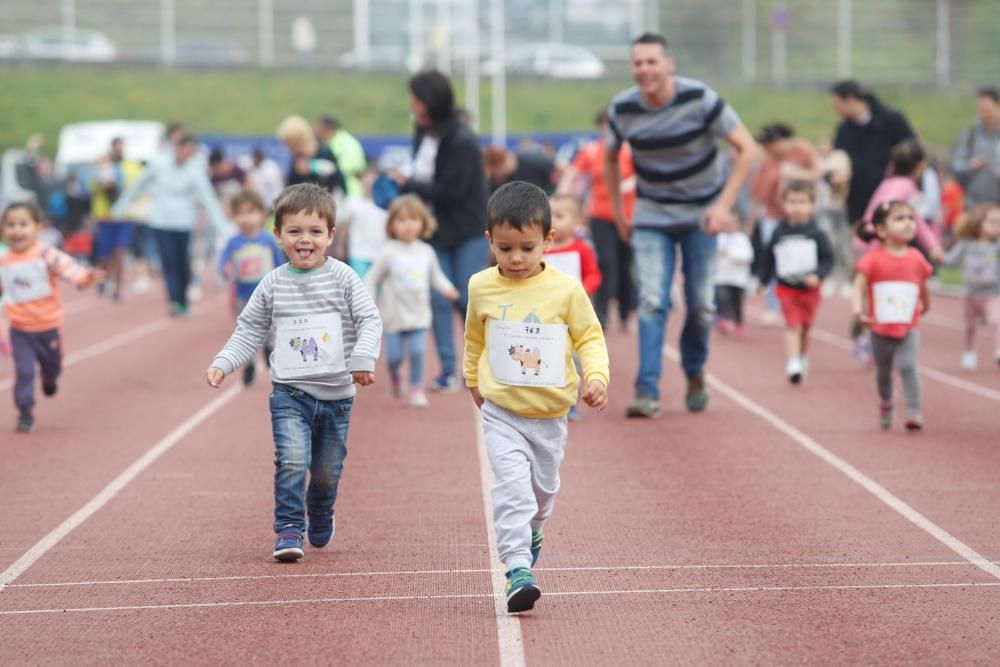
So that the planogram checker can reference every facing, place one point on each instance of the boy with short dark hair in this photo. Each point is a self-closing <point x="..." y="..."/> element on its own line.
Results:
<point x="523" y="323"/>
<point x="800" y="256"/>
<point x="328" y="335"/>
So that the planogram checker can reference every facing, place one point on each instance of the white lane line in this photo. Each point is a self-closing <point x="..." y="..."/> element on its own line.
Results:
<point x="852" y="473"/>
<point x="931" y="373"/>
<point x="410" y="573"/>
<point x="510" y="643"/>
<point x="479" y="596"/>
<point x="114" y="487"/>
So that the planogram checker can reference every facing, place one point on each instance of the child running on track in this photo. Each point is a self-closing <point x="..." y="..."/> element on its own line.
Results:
<point x="800" y="256"/>
<point x="733" y="262"/>
<point x="523" y="322"/>
<point x="890" y="294"/>
<point x="248" y="257"/>
<point x="402" y="277"/>
<point x="28" y="284"/>
<point x="978" y="249"/>
<point x="328" y="334"/>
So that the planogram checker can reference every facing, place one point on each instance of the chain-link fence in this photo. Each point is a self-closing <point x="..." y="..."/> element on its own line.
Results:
<point x="939" y="43"/>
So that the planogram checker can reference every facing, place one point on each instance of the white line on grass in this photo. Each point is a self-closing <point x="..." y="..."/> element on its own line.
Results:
<point x="509" y="640"/>
<point x="410" y="573"/>
<point x="114" y="487"/>
<point x="852" y="473"/>
<point x="479" y="596"/>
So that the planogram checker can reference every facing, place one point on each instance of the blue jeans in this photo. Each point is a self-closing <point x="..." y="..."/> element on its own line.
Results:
<point x="459" y="264"/>
<point x="655" y="261"/>
<point x="412" y="343"/>
<point x="175" y="256"/>
<point x="309" y="435"/>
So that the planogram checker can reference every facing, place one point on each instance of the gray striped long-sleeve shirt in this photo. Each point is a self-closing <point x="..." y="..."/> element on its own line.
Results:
<point x="283" y="293"/>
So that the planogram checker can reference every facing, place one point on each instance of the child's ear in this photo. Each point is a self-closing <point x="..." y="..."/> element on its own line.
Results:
<point x="549" y="239"/>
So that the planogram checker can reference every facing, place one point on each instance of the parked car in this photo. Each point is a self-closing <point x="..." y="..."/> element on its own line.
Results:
<point x="54" y="43"/>
<point x="561" y="61"/>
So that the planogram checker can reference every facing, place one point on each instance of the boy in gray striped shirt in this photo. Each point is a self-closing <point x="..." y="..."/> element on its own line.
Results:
<point x="328" y="337"/>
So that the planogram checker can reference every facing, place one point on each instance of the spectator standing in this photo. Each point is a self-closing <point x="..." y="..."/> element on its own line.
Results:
<point x="975" y="160"/>
<point x="346" y="149"/>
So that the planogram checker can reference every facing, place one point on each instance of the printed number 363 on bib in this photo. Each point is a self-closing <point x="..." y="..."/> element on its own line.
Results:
<point x="527" y="354"/>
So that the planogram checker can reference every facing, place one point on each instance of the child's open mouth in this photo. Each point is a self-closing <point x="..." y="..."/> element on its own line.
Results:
<point x="305" y="253"/>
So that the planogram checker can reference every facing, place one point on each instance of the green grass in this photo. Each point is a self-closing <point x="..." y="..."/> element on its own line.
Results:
<point x="254" y="102"/>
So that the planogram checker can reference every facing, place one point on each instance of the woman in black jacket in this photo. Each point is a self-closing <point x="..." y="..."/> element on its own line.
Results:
<point x="448" y="175"/>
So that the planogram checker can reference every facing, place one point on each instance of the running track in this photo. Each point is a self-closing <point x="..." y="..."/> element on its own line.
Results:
<point x="779" y="527"/>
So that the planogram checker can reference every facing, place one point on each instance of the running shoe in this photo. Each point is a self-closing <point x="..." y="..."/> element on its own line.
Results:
<point x="25" y="422"/>
<point x="969" y="360"/>
<point x="445" y="384"/>
<point x="536" y="546"/>
<point x="418" y="399"/>
<point x="914" y="421"/>
<point x="794" y="370"/>
<point x="321" y="530"/>
<point x="49" y="387"/>
<point x="522" y="590"/>
<point x="643" y="406"/>
<point x="696" y="398"/>
<point x="885" y="415"/>
<point x="288" y="547"/>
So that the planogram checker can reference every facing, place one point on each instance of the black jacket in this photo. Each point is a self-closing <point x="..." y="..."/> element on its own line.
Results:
<point x="868" y="147"/>
<point x="787" y="233"/>
<point x="458" y="193"/>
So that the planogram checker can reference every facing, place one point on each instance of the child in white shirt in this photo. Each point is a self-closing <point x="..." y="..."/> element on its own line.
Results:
<point x="733" y="260"/>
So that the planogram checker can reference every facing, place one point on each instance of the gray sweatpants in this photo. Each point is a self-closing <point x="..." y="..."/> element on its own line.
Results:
<point x="902" y="352"/>
<point x="525" y="455"/>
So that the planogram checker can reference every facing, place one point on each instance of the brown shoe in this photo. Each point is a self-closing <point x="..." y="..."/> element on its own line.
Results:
<point x="697" y="394"/>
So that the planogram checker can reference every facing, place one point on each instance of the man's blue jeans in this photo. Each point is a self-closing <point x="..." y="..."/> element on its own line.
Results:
<point x="459" y="264"/>
<point x="309" y="435"/>
<point x="655" y="261"/>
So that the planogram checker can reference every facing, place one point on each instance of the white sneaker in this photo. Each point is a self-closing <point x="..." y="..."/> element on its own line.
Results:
<point x="846" y="291"/>
<point x="195" y="293"/>
<point x="141" y="286"/>
<point x="804" y="360"/>
<point x="770" y="318"/>
<point x="418" y="399"/>
<point x="969" y="360"/>
<point x="828" y="289"/>
<point x="794" y="370"/>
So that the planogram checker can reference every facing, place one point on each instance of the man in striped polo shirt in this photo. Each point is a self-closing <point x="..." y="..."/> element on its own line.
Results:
<point x="685" y="195"/>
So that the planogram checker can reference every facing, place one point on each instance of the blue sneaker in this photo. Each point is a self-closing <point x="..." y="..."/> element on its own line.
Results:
<point x="522" y="590"/>
<point x="288" y="547"/>
<point x="536" y="546"/>
<point x="321" y="529"/>
<point x="444" y="384"/>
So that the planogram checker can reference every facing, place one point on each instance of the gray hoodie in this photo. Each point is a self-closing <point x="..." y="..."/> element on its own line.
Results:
<point x="981" y="185"/>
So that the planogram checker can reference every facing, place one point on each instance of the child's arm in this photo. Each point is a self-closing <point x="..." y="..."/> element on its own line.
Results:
<point x="439" y="281"/>
<point x="925" y="298"/>
<point x="69" y="269"/>
<point x="765" y="268"/>
<point x="590" y="272"/>
<point x="955" y="253"/>
<point x="210" y="202"/>
<point x="475" y="341"/>
<point x="858" y="298"/>
<point x="226" y="257"/>
<point x="588" y="339"/>
<point x="368" y="325"/>
<point x="252" y="327"/>
<point x="824" y="252"/>
<point x="279" y="253"/>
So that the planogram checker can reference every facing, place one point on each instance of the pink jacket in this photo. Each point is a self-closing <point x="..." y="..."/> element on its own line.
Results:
<point x="905" y="189"/>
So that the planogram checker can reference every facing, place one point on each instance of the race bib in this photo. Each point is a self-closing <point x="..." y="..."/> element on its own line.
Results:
<point x="527" y="354"/>
<point x="253" y="261"/>
<point x="411" y="273"/>
<point x="895" y="301"/>
<point x="567" y="262"/>
<point x="796" y="257"/>
<point x="309" y="346"/>
<point x="26" y="281"/>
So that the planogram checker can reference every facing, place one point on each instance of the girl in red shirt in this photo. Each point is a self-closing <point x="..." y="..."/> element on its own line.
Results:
<point x="890" y="294"/>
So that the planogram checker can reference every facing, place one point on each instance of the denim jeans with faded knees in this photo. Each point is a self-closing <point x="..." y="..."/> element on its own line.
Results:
<point x="458" y="264"/>
<point x="410" y="344"/>
<point x="655" y="261"/>
<point x="310" y="435"/>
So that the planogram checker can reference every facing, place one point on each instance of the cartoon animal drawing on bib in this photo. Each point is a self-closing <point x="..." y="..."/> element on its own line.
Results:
<point x="305" y="347"/>
<point x="529" y="359"/>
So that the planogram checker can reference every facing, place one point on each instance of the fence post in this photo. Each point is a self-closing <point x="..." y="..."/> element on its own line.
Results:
<point x="416" y="58"/>
<point x="498" y="92"/>
<point x="168" y="32"/>
<point x="68" y="28"/>
<point x="472" y="62"/>
<point x="843" y="39"/>
<point x="265" y="28"/>
<point x="943" y="44"/>
<point x="779" y="43"/>
<point x="749" y="41"/>
<point x="362" y="33"/>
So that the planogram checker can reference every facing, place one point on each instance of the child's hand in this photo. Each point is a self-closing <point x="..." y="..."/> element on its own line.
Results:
<point x="452" y="294"/>
<point x="863" y="317"/>
<point x="812" y="281"/>
<point x="476" y="396"/>
<point x="595" y="395"/>
<point x="363" y="378"/>
<point x="92" y="276"/>
<point x="5" y="348"/>
<point x="215" y="376"/>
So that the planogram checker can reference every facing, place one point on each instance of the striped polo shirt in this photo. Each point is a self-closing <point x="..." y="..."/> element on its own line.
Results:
<point x="678" y="166"/>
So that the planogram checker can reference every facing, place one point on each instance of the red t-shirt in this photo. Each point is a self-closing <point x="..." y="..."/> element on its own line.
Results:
<point x="586" y="264"/>
<point x="894" y="286"/>
<point x="590" y="161"/>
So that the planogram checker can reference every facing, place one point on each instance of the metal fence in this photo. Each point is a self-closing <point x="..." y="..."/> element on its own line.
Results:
<point x="942" y="43"/>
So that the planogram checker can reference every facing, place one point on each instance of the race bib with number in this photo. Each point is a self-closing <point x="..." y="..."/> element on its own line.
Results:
<point x="895" y="301"/>
<point x="796" y="257"/>
<point x="567" y="262"/>
<point x="26" y="281"/>
<point x="253" y="261"/>
<point x="309" y="346"/>
<point x="411" y="272"/>
<point x="527" y="354"/>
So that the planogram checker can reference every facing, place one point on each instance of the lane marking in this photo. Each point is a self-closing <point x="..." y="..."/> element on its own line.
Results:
<point x="510" y="643"/>
<point x="480" y="596"/>
<point x="852" y="473"/>
<point x="409" y="573"/>
<point x="115" y="486"/>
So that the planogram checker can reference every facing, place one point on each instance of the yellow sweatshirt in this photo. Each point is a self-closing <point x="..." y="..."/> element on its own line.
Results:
<point x="519" y="340"/>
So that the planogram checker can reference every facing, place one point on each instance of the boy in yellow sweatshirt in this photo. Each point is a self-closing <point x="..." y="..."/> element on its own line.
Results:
<point x="524" y="321"/>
